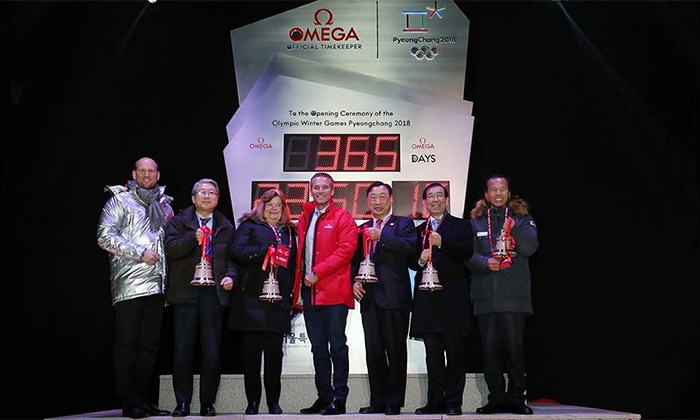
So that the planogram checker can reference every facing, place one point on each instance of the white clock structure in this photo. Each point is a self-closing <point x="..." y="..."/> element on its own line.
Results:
<point x="363" y="90"/>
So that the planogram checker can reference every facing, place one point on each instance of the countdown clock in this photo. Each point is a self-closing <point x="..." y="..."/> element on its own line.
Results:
<point x="342" y="153"/>
<point x="345" y="153"/>
<point x="291" y="126"/>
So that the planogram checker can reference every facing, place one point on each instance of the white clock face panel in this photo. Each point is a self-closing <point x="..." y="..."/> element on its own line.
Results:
<point x="291" y="128"/>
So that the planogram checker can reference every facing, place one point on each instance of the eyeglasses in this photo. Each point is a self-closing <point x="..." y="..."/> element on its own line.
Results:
<point x="435" y="197"/>
<point x="205" y="193"/>
<point x="270" y="204"/>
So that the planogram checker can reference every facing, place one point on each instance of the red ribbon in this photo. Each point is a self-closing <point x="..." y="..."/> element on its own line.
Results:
<point x="204" y="239"/>
<point x="269" y="257"/>
<point x="505" y="237"/>
<point x="508" y="240"/>
<point x="427" y="232"/>
<point x="430" y="252"/>
<point x="366" y="241"/>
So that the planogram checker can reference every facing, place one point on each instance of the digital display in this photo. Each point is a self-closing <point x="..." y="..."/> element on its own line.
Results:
<point x="408" y="198"/>
<point x="352" y="196"/>
<point x="342" y="153"/>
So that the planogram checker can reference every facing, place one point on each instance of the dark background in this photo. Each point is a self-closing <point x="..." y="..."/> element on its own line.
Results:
<point x="591" y="107"/>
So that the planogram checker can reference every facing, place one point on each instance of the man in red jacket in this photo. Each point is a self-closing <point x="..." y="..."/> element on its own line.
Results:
<point x="323" y="289"/>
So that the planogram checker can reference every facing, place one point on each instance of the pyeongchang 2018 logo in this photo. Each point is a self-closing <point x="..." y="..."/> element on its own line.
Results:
<point x="323" y="30"/>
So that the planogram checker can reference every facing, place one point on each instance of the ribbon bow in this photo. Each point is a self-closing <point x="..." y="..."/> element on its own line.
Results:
<point x="269" y="257"/>
<point x="508" y="240"/>
<point x="205" y="242"/>
<point x="366" y="241"/>
<point x="429" y="234"/>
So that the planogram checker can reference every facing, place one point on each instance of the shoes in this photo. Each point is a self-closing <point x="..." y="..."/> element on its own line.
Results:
<point x="317" y="407"/>
<point x="431" y="409"/>
<point x="207" y="410"/>
<point x="182" y="409"/>
<point x="152" y="410"/>
<point x="492" y="407"/>
<point x="391" y="410"/>
<point x="370" y="410"/>
<point x="454" y="410"/>
<point x="274" y="408"/>
<point x="135" y="412"/>
<point x="252" y="408"/>
<point x="518" y="407"/>
<point x="336" y="406"/>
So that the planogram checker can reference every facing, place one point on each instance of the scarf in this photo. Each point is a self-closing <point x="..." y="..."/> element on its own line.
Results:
<point x="151" y="197"/>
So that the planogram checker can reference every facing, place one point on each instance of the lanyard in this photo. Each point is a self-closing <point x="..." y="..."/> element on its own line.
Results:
<point x="488" y="219"/>
<point x="278" y="237"/>
<point x="279" y="255"/>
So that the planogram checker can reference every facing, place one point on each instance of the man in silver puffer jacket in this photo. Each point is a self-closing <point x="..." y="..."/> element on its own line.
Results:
<point x="131" y="229"/>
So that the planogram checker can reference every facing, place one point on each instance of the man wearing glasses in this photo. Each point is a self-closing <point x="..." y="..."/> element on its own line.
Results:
<point x="442" y="317"/>
<point x="199" y="236"/>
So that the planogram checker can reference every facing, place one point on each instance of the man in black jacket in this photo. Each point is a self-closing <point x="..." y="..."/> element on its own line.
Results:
<point x="442" y="318"/>
<point x="199" y="234"/>
<point x="389" y="242"/>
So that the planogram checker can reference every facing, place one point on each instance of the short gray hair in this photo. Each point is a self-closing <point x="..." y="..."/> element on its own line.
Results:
<point x="196" y="185"/>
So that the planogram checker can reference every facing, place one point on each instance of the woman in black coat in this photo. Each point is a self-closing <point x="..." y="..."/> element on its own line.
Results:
<point x="265" y="248"/>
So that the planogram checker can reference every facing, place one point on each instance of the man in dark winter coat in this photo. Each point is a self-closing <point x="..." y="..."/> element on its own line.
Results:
<point x="199" y="234"/>
<point x="505" y="235"/>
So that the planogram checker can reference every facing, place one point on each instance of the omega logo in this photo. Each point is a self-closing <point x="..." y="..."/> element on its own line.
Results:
<point x="324" y="31"/>
<point x="260" y="144"/>
<point x="422" y="144"/>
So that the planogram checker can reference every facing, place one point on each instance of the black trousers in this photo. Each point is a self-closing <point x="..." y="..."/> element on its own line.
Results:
<point x="385" y="353"/>
<point x="136" y="341"/>
<point x="446" y="362"/>
<point x="253" y="345"/>
<point x="503" y="343"/>
<point x="204" y="318"/>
